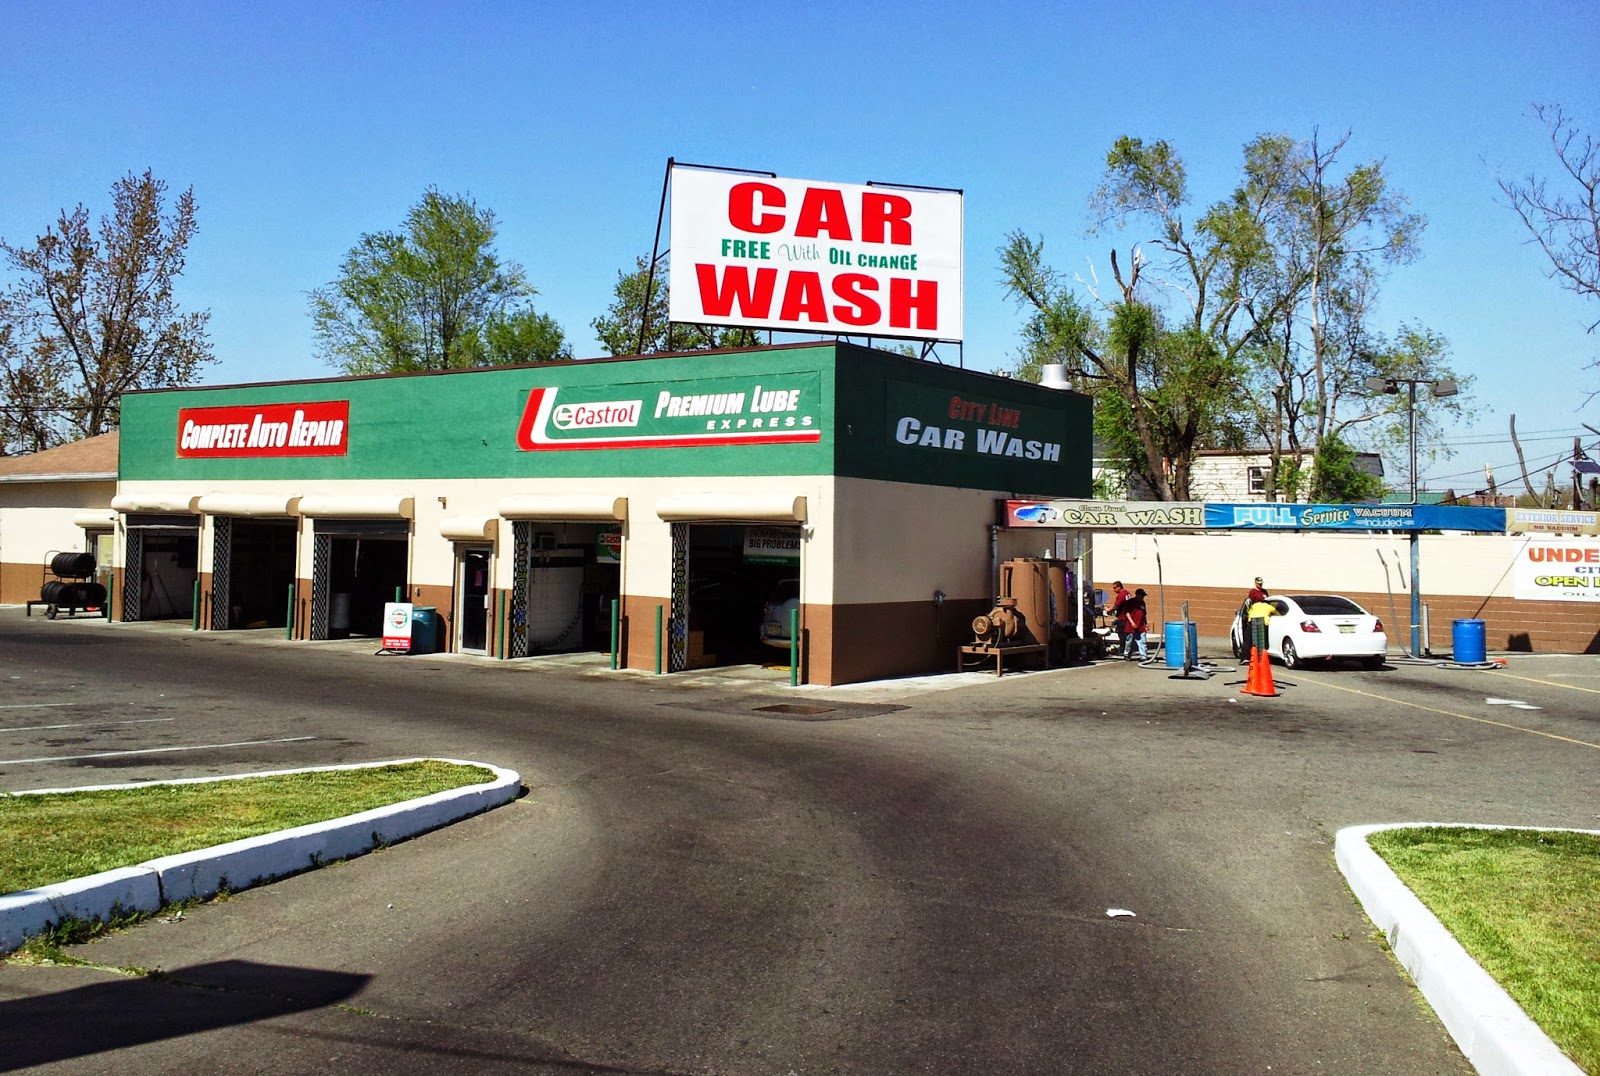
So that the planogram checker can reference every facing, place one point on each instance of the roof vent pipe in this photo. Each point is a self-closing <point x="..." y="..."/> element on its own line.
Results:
<point x="1054" y="376"/>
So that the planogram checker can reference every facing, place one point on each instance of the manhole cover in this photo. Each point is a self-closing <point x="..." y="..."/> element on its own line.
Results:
<point x="795" y="709"/>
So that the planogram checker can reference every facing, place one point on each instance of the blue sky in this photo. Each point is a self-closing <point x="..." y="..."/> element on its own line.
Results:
<point x="301" y="126"/>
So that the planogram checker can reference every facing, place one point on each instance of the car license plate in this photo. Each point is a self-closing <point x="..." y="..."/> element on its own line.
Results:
<point x="1348" y="629"/>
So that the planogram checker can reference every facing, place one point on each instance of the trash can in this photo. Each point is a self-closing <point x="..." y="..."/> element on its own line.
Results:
<point x="424" y="629"/>
<point x="1468" y="640"/>
<point x="1173" y="643"/>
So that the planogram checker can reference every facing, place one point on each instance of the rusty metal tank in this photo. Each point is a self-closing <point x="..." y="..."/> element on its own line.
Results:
<point x="1042" y="589"/>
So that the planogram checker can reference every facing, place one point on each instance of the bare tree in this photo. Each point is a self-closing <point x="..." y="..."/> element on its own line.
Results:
<point x="92" y="315"/>
<point x="1565" y="223"/>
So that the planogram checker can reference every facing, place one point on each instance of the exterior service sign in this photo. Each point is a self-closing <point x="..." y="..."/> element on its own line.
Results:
<point x="812" y="256"/>
<point x="1355" y="517"/>
<point x="943" y="422"/>
<point x="775" y="409"/>
<point x="1107" y="515"/>
<point x="1561" y="570"/>
<point x="1551" y="521"/>
<point x="264" y="430"/>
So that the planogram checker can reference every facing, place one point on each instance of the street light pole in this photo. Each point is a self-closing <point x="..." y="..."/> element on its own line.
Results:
<point x="1416" y="539"/>
<point x="1391" y="385"/>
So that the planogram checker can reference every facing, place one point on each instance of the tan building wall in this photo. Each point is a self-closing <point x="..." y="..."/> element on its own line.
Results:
<point x="36" y="520"/>
<point x="873" y="554"/>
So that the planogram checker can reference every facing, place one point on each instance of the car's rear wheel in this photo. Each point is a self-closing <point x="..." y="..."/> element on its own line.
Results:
<point x="1374" y="662"/>
<point x="1291" y="656"/>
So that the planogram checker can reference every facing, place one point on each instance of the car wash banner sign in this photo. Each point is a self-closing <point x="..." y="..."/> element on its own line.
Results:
<point x="1107" y="515"/>
<point x="1559" y="570"/>
<point x="1354" y="517"/>
<point x="775" y="409"/>
<point x="810" y="256"/>
<point x="264" y="430"/>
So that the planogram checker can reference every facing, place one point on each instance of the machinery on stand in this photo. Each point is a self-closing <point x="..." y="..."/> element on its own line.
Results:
<point x="1035" y="614"/>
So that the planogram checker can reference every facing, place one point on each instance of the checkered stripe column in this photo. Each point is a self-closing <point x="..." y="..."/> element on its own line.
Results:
<point x="221" y="565"/>
<point x="132" y="573"/>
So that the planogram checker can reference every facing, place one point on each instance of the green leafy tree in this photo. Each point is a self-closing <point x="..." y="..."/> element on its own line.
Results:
<point x="434" y="296"/>
<point x="618" y="329"/>
<point x="92" y="313"/>
<point x="1158" y="392"/>
<point x="1279" y="279"/>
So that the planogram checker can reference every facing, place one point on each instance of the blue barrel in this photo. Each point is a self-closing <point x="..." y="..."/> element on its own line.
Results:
<point x="1174" y="643"/>
<point x="424" y="629"/>
<point x="1468" y="640"/>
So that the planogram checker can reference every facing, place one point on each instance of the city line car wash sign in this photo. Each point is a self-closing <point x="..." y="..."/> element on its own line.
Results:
<point x="810" y="256"/>
<point x="264" y="430"/>
<point x="773" y="409"/>
<point x="1552" y="569"/>
<point x="1107" y="515"/>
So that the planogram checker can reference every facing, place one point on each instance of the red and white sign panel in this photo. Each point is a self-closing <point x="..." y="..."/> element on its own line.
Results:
<point x="264" y="430"/>
<point x="807" y="256"/>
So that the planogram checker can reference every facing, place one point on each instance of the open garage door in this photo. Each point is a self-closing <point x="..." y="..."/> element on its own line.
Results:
<point x="357" y="566"/>
<point x="252" y="570"/>
<point x="162" y="566"/>
<point x="566" y="575"/>
<point x="741" y="582"/>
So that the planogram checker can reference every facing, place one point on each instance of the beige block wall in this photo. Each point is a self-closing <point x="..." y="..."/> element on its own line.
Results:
<point x="1460" y="576"/>
<point x="35" y="521"/>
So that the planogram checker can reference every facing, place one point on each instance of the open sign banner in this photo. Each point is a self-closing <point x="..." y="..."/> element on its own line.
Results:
<point x="810" y="256"/>
<point x="1553" y="569"/>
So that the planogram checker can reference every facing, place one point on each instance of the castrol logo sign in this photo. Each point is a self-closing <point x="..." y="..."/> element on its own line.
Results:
<point x="265" y="430"/>
<point x="610" y="414"/>
<point x="811" y="256"/>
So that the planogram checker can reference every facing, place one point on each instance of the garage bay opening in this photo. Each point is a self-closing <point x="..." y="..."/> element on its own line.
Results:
<point x="566" y="576"/>
<point x="743" y="582"/>
<point x="163" y="565"/>
<point x="358" y="565"/>
<point x="252" y="568"/>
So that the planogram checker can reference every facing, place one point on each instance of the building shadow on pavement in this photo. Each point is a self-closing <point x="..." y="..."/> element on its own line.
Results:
<point x="124" y="1012"/>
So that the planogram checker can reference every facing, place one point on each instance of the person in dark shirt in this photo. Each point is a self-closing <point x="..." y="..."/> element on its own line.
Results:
<point x="1132" y="620"/>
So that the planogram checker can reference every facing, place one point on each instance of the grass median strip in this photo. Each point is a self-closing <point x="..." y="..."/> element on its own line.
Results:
<point x="1526" y="905"/>
<point x="58" y="836"/>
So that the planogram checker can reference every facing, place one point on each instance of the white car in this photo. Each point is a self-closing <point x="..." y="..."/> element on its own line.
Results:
<point x="1308" y="626"/>
<point x="775" y="613"/>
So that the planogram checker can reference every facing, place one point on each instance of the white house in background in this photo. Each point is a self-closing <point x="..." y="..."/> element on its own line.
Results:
<point x="1225" y="475"/>
<point x="55" y="501"/>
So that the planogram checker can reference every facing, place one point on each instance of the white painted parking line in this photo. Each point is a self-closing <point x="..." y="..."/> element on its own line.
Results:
<point x="89" y="724"/>
<point x="40" y="705"/>
<point x="1517" y="703"/>
<point x="150" y="751"/>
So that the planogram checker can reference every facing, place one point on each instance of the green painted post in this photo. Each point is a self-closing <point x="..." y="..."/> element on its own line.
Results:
<point x="194" y="619"/>
<point x="288" y="623"/>
<point x="505" y="624"/>
<point x="794" y="647"/>
<point x="616" y="623"/>
<point x="399" y="594"/>
<point x="658" y="640"/>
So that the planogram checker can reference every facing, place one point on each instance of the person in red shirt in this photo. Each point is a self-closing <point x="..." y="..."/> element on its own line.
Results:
<point x="1258" y="593"/>
<point x="1119" y="596"/>
<point x="1132" y="620"/>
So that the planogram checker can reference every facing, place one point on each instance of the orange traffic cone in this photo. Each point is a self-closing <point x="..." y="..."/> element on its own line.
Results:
<point x="1253" y="674"/>
<point x="1264" y="685"/>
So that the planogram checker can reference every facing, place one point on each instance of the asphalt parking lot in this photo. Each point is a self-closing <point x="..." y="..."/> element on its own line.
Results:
<point x="905" y="877"/>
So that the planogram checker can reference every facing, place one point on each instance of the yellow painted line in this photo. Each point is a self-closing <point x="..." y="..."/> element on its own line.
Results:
<point x="1546" y="683"/>
<point x="1449" y="713"/>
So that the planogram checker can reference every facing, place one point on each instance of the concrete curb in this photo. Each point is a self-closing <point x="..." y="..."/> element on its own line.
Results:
<point x="242" y="864"/>
<point x="1491" y="1029"/>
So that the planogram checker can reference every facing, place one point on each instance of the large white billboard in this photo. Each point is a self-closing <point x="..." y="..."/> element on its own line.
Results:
<point x="809" y="256"/>
<point x="1557" y="569"/>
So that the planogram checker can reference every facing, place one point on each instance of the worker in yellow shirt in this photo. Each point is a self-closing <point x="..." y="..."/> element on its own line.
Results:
<point x="1259" y="612"/>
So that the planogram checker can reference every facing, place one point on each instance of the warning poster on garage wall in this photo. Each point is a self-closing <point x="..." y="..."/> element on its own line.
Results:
<point x="1558" y="570"/>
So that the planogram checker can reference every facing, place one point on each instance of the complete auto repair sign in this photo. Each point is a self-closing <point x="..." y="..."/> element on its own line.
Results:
<point x="810" y="256"/>
<point x="264" y="430"/>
